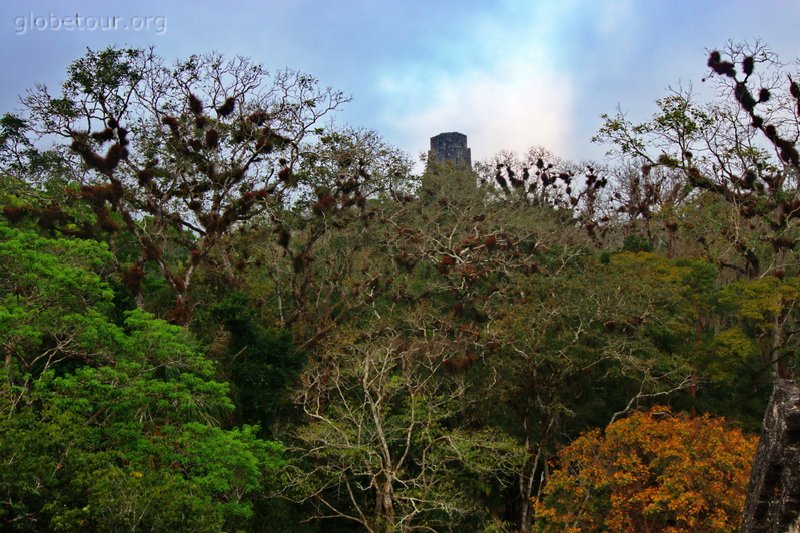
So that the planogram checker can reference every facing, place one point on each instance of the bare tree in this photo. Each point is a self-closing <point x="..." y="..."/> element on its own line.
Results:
<point x="384" y="446"/>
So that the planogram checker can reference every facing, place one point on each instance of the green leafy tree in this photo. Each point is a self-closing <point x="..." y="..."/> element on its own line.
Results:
<point x="110" y="426"/>
<point x="739" y="156"/>
<point x="261" y="362"/>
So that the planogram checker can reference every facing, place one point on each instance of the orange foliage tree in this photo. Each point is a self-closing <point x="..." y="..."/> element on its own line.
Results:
<point x="653" y="471"/>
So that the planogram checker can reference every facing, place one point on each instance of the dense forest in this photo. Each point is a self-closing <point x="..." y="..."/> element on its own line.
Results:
<point x="222" y="311"/>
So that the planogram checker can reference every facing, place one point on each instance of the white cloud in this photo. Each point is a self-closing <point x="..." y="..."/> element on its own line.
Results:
<point x="504" y="108"/>
<point x="530" y="69"/>
<point x="512" y="96"/>
<point x="615" y="19"/>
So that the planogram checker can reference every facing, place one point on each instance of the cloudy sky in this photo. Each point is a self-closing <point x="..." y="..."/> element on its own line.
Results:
<point x="509" y="74"/>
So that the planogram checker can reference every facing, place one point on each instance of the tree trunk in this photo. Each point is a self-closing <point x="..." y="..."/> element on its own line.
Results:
<point x="773" y="493"/>
<point x="384" y="507"/>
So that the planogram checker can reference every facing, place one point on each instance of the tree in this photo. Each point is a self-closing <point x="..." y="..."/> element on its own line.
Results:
<point x="653" y="471"/>
<point x="527" y="318"/>
<point x="179" y="156"/>
<point x="422" y="275"/>
<point x="543" y="179"/>
<point x="585" y="341"/>
<point x="384" y="445"/>
<point x="739" y="157"/>
<point x="104" y="425"/>
<point x="313" y="251"/>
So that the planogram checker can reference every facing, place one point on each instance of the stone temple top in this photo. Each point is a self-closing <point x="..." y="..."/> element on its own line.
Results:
<point x="450" y="147"/>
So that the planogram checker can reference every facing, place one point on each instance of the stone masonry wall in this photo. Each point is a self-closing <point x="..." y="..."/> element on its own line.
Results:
<point x="450" y="147"/>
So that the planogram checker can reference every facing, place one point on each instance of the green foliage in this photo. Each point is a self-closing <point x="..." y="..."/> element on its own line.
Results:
<point x="761" y="300"/>
<point x="422" y="344"/>
<point x="53" y="299"/>
<point x="384" y="428"/>
<point x="122" y="449"/>
<point x="621" y="323"/>
<point x="637" y="243"/>
<point x="261" y="363"/>
<point x="110" y="426"/>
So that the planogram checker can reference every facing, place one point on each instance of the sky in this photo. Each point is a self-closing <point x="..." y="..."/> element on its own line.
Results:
<point x="510" y="74"/>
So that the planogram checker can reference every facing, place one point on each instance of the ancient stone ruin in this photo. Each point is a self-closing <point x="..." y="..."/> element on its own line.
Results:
<point x="452" y="148"/>
<point x="773" y="494"/>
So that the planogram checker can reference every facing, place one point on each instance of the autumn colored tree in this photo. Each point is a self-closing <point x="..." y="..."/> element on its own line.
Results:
<point x="653" y="471"/>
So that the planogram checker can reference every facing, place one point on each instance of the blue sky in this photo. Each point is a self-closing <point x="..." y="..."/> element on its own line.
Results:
<point x="509" y="74"/>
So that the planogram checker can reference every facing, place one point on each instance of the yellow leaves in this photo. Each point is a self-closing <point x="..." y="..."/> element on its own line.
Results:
<point x="654" y="471"/>
<point x="733" y="345"/>
<point x="762" y="299"/>
<point x="650" y="265"/>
